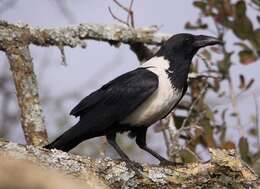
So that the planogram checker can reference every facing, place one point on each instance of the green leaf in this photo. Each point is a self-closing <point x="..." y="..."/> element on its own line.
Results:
<point x="225" y="63"/>
<point x="258" y="19"/>
<point x="257" y="40"/>
<point x="253" y="132"/>
<point x="187" y="156"/>
<point x="199" y="4"/>
<point x="240" y="8"/>
<point x="206" y="54"/>
<point x="196" y="26"/>
<point x="242" y="25"/>
<point x="247" y="56"/>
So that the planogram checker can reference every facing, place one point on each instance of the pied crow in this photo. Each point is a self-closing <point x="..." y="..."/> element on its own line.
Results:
<point x="137" y="99"/>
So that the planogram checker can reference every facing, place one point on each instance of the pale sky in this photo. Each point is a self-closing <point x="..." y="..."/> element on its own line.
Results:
<point x="90" y="68"/>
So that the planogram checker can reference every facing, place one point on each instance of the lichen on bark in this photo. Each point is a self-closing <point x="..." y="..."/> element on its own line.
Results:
<point x="225" y="170"/>
<point x="27" y="94"/>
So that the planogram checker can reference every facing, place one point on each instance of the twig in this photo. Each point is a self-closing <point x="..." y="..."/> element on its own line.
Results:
<point x="193" y="153"/>
<point x="103" y="147"/>
<point x="121" y="6"/>
<point x="117" y="18"/>
<point x="130" y="14"/>
<point x="257" y="122"/>
<point x="213" y="75"/>
<point x="166" y="137"/>
<point x="234" y="105"/>
<point x="63" y="56"/>
<point x="204" y="60"/>
<point x="142" y="52"/>
<point x="202" y="92"/>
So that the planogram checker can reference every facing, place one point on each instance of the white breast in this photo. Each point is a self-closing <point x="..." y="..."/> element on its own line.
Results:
<point x="161" y="101"/>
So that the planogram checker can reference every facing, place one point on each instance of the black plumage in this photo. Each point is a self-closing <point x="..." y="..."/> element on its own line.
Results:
<point x="135" y="100"/>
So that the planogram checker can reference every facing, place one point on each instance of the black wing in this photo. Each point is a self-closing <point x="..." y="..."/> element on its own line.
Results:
<point x="119" y="97"/>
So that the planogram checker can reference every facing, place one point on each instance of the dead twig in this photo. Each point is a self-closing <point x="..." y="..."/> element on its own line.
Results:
<point x="142" y="52"/>
<point x="213" y="75"/>
<point x="130" y="14"/>
<point x="257" y="121"/>
<point x="117" y="18"/>
<point x="202" y="93"/>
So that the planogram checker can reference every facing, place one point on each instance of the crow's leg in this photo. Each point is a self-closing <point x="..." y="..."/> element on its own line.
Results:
<point x="111" y="138"/>
<point x="141" y="142"/>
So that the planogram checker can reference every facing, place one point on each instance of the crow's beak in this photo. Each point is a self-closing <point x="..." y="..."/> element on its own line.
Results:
<point x="203" y="40"/>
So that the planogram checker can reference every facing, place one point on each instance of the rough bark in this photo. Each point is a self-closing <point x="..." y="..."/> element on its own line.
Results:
<point x="74" y="35"/>
<point x="27" y="94"/>
<point x="225" y="170"/>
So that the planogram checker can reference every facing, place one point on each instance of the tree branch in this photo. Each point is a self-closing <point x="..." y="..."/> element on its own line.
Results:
<point x="224" y="170"/>
<point x="73" y="35"/>
<point x="27" y="94"/>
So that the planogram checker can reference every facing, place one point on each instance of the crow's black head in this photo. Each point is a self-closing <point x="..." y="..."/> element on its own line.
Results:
<point x="186" y="45"/>
<point x="179" y="51"/>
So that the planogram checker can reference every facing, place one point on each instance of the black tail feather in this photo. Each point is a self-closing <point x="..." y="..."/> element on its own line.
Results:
<point x="69" y="139"/>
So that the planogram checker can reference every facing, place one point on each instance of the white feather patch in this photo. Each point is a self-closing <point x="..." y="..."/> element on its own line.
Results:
<point x="161" y="101"/>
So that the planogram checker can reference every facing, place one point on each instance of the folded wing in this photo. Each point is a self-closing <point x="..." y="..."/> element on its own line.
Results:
<point x="118" y="98"/>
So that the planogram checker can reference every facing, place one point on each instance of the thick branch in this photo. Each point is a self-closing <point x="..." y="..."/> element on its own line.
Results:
<point x="224" y="171"/>
<point x="27" y="94"/>
<point x="73" y="35"/>
<point x="142" y="52"/>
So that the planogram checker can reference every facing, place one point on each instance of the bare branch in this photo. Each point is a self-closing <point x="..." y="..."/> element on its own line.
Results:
<point x="213" y="75"/>
<point x="257" y="122"/>
<point x="131" y="14"/>
<point x="63" y="56"/>
<point x="116" y="17"/>
<point x="142" y="52"/>
<point x="27" y="94"/>
<point x="74" y="35"/>
<point x="202" y="92"/>
<point x="121" y="6"/>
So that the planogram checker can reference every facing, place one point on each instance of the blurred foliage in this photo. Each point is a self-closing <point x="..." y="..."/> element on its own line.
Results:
<point x="224" y="18"/>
